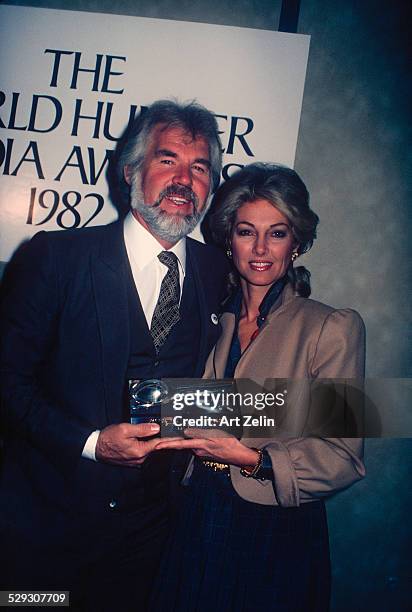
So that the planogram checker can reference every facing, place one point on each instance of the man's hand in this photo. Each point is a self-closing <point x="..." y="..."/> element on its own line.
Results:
<point x="123" y="444"/>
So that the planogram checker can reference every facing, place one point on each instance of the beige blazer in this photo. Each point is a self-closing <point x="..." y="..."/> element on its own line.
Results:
<point x="300" y="339"/>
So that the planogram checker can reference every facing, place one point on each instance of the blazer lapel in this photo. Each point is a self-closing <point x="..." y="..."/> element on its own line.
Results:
<point x="249" y="354"/>
<point x="217" y="362"/>
<point x="109" y="274"/>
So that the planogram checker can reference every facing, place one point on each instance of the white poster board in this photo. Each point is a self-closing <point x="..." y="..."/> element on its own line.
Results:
<point x="71" y="80"/>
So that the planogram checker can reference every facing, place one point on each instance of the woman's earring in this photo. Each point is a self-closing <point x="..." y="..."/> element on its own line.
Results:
<point x="229" y="253"/>
<point x="295" y="255"/>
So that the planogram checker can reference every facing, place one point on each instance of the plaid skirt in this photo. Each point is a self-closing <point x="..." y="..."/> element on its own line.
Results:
<point x="227" y="554"/>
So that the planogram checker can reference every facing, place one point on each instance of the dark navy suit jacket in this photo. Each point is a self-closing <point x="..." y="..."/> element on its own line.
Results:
<point x="65" y="352"/>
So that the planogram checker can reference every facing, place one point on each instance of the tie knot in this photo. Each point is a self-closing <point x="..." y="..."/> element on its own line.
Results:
<point x="168" y="258"/>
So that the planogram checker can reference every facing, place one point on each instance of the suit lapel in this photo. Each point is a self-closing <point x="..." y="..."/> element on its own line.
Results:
<point x="194" y="264"/>
<point x="209" y="329"/>
<point x="109" y="273"/>
<point x="221" y="351"/>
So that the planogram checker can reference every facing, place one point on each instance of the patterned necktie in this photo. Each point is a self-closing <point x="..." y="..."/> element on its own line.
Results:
<point x="166" y="313"/>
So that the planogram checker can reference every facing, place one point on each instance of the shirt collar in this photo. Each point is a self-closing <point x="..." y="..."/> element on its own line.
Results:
<point x="144" y="247"/>
<point x="234" y="304"/>
<point x="270" y="298"/>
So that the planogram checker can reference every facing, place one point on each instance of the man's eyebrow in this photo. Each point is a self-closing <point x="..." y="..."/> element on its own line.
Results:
<point x="202" y="160"/>
<point x="165" y="153"/>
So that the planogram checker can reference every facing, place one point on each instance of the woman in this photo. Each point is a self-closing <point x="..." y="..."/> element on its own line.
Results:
<point x="252" y="527"/>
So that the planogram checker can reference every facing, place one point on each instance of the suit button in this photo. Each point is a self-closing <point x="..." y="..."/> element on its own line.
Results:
<point x="112" y="504"/>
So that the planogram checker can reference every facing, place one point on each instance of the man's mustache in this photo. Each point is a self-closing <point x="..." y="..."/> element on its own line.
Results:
<point x="181" y="191"/>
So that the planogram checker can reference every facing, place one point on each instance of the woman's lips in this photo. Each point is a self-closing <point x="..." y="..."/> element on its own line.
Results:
<point x="260" y="266"/>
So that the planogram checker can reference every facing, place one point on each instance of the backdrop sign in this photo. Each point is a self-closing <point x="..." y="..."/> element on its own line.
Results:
<point x="72" y="81"/>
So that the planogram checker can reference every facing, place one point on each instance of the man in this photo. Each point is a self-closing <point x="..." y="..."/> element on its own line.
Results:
<point x="85" y="496"/>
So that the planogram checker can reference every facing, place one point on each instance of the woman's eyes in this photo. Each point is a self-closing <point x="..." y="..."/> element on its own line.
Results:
<point x="273" y="234"/>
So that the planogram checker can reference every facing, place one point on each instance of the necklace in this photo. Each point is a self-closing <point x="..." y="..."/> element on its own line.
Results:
<point x="259" y="321"/>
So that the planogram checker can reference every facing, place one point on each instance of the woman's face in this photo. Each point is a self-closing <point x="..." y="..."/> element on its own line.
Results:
<point x="262" y="243"/>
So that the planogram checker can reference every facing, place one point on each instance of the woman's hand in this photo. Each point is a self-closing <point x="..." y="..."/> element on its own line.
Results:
<point x="213" y="444"/>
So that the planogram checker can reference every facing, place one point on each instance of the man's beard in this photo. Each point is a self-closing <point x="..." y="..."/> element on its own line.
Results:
<point x="163" y="224"/>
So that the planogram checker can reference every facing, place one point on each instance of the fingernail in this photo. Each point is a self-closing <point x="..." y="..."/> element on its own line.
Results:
<point x="154" y="427"/>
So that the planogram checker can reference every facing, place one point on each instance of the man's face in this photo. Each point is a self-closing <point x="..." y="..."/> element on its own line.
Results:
<point x="169" y="193"/>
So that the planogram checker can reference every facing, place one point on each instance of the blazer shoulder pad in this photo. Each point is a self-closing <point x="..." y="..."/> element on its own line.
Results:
<point x="79" y="239"/>
<point x="347" y="317"/>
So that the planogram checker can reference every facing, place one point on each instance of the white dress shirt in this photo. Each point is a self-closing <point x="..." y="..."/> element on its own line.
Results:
<point x="148" y="272"/>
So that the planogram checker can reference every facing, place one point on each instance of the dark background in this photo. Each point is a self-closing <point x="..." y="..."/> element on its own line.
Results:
<point x="354" y="155"/>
